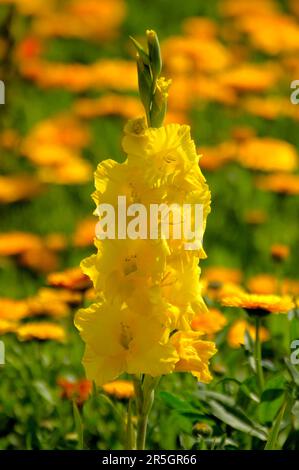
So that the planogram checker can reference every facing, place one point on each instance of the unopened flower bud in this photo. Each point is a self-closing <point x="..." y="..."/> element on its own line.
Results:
<point x="154" y="53"/>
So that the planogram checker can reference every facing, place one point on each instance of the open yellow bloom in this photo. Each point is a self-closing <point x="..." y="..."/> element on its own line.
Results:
<point x="41" y="331"/>
<point x="122" y="340"/>
<point x="167" y="155"/>
<point x="120" y="389"/>
<point x="209" y="322"/>
<point x="194" y="354"/>
<point x="259" y="304"/>
<point x="236" y="334"/>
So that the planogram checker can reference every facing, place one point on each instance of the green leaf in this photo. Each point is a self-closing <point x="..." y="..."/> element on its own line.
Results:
<point x="144" y="56"/>
<point x="78" y="425"/>
<point x="44" y="391"/>
<point x="179" y="405"/>
<point x="221" y="397"/>
<point x="229" y="418"/>
<point x="271" y="399"/>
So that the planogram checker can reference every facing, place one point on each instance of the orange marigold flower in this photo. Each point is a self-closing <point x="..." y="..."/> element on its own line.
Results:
<point x="9" y="139"/>
<point x="7" y="326"/>
<point x="200" y="27"/>
<point x="268" y="154"/>
<point x="263" y="284"/>
<point x="17" y="188"/>
<point x="220" y="274"/>
<point x="255" y="217"/>
<point x="257" y="304"/>
<point x="120" y="389"/>
<point x="39" y="259"/>
<point x="279" y="183"/>
<point x="280" y="252"/>
<point x="250" y="78"/>
<point x="72" y="278"/>
<point x="270" y="107"/>
<point x="50" y="302"/>
<point x="78" y="390"/>
<point x="55" y="241"/>
<point x="216" y="157"/>
<point x="236" y="333"/>
<point x="41" y="331"/>
<point x="15" y="243"/>
<point x="209" y="322"/>
<point x="13" y="310"/>
<point x="115" y="105"/>
<point x="85" y="232"/>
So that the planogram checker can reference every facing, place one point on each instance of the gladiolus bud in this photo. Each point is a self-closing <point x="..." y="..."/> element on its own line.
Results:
<point x="159" y="105"/>
<point x="154" y="53"/>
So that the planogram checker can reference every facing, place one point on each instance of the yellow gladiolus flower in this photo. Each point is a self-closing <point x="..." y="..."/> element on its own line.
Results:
<point x="122" y="340"/>
<point x="194" y="354"/>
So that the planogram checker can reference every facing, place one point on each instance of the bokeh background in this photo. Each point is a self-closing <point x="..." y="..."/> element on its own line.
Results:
<point x="70" y="85"/>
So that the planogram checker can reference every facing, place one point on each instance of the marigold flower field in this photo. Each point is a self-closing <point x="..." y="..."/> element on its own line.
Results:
<point x="134" y="343"/>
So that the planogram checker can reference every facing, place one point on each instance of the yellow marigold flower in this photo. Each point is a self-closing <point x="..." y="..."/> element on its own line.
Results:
<point x="85" y="232"/>
<point x="273" y="33"/>
<point x="200" y="27"/>
<point x="245" y="8"/>
<point x="120" y="389"/>
<point x="220" y="274"/>
<point x="120" y="340"/>
<point x="41" y="331"/>
<point x="215" y="157"/>
<point x="72" y="278"/>
<point x="15" y="243"/>
<point x="75" y="170"/>
<point x="13" y="310"/>
<point x="269" y="108"/>
<point x="9" y="138"/>
<point x="279" y="183"/>
<point x="263" y="284"/>
<point x="200" y="55"/>
<point x="39" y="259"/>
<point x="280" y="252"/>
<point x="255" y="217"/>
<point x="236" y="333"/>
<point x="88" y="19"/>
<point x="55" y="241"/>
<point x="259" y="304"/>
<point x="17" y="188"/>
<point x="109" y="105"/>
<point x="249" y="78"/>
<point x="209" y="322"/>
<point x="7" y="326"/>
<point x="48" y="302"/>
<point x="194" y="354"/>
<point x="290" y="287"/>
<point x="268" y="154"/>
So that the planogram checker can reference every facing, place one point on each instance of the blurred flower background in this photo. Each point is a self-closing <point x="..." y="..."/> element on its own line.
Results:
<point x="70" y="84"/>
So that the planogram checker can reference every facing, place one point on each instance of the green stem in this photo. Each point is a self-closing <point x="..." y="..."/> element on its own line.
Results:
<point x="273" y="436"/>
<point x="145" y="394"/>
<point x="258" y="354"/>
<point x="141" y="431"/>
<point x="130" y="429"/>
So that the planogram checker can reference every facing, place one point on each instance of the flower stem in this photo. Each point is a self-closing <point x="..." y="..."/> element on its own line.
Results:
<point x="273" y="436"/>
<point x="145" y="394"/>
<point x="141" y="431"/>
<point x="258" y="354"/>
